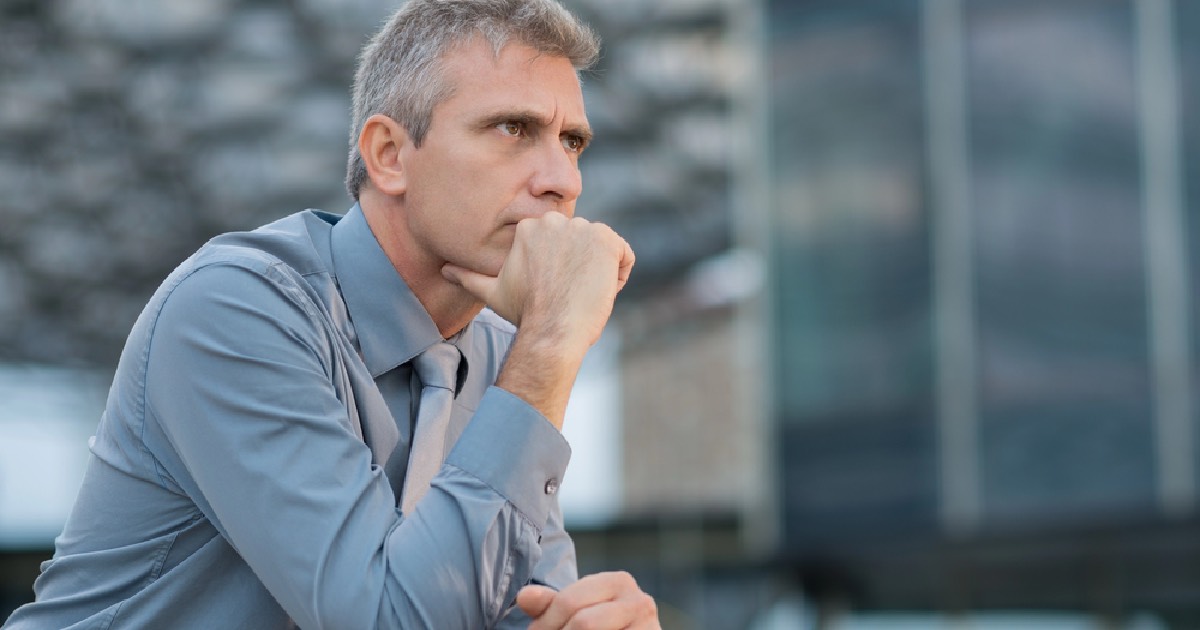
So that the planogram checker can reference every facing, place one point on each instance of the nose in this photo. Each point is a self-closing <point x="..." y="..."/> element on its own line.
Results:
<point x="556" y="174"/>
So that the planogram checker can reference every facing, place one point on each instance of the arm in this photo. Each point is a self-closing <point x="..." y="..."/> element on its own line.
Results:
<point x="558" y="285"/>
<point x="240" y="383"/>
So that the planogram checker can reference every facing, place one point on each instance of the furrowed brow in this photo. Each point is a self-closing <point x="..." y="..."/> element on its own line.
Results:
<point x="520" y="116"/>
<point x="531" y="118"/>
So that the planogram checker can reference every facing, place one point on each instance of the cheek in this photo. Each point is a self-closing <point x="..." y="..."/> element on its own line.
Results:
<point x="464" y="200"/>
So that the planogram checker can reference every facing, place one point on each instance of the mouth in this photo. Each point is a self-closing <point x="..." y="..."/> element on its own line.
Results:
<point x="515" y="220"/>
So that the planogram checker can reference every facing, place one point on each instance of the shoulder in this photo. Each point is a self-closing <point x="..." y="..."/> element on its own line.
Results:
<point x="269" y="270"/>
<point x="299" y="241"/>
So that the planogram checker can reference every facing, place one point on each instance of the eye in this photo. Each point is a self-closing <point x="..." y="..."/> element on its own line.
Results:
<point x="574" y="143"/>
<point x="514" y="128"/>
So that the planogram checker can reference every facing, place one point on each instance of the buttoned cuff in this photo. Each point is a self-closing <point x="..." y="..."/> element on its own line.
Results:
<point x="512" y="448"/>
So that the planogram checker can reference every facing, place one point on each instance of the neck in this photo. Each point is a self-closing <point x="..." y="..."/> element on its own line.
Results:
<point x="449" y="305"/>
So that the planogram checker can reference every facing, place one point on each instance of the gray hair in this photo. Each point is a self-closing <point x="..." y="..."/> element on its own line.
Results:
<point x="400" y="74"/>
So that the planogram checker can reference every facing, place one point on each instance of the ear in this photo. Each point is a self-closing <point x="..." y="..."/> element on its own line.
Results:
<point x="380" y="144"/>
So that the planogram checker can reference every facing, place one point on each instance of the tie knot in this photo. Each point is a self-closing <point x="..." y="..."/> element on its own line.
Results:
<point x="437" y="366"/>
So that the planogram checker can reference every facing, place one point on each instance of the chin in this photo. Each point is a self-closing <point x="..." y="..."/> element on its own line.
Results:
<point x="488" y="266"/>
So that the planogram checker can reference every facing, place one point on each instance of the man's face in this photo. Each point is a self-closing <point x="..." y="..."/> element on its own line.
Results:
<point x="503" y="148"/>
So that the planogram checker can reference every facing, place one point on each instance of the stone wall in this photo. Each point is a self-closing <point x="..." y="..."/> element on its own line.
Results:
<point x="131" y="132"/>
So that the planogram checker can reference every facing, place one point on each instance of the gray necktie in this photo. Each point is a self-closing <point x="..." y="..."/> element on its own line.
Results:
<point x="437" y="367"/>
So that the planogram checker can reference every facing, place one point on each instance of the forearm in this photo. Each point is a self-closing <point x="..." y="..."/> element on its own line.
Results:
<point x="337" y="554"/>
<point x="494" y="496"/>
<point x="541" y="368"/>
<point x="456" y="562"/>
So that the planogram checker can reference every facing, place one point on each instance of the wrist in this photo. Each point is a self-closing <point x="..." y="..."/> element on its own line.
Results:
<point x="560" y="334"/>
<point x="541" y="369"/>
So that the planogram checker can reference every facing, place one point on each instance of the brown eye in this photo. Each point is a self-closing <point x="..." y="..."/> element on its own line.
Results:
<point x="573" y="144"/>
<point x="512" y="128"/>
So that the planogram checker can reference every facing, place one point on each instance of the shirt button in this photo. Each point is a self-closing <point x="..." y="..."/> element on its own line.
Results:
<point x="552" y="486"/>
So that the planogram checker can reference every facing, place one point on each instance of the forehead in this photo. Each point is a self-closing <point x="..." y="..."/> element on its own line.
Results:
<point x="519" y="76"/>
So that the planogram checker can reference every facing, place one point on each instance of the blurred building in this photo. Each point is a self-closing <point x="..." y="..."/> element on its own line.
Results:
<point x="982" y="276"/>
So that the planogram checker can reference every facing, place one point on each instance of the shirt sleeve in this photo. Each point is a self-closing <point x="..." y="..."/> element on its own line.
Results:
<point x="556" y="569"/>
<point x="240" y="382"/>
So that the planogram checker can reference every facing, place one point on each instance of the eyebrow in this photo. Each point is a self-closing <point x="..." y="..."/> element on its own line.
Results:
<point x="529" y="117"/>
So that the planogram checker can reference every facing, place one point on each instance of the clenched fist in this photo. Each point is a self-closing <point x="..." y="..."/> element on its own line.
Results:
<point x="561" y="277"/>
<point x="601" y="601"/>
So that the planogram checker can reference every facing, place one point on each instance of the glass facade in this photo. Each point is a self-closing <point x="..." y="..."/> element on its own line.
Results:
<point x="982" y="264"/>
<point x="1064" y="380"/>
<point x="851" y="282"/>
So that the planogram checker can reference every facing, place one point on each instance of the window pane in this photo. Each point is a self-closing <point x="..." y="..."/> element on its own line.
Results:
<point x="852" y="277"/>
<point x="1064" y="382"/>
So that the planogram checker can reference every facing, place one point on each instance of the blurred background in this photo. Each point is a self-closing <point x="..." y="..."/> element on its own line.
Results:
<point x="910" y="339"/>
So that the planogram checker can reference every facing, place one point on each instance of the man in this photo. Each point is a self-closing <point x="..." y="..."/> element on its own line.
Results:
<point x="266" y="457"/>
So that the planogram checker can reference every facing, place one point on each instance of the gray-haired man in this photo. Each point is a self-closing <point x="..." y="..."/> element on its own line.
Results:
<point x="264" y="457"/>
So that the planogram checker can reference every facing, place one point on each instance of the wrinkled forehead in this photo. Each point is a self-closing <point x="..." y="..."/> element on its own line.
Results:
<point x="475" y="70"/>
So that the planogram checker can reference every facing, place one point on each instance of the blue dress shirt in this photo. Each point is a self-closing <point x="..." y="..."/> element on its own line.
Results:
<point x="236" y="477"/>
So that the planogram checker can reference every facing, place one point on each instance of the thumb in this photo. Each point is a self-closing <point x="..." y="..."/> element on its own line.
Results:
<point x="535" y="599"/>
<point x="477" y="284"/>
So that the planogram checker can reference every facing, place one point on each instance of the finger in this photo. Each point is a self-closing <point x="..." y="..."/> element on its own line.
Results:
<point x="637" y="608"/>
<point x="535" y="599"/>
<point x="588" y="591"/>
<point x="625" y="257"/>
<point x="614" y="615"/>
<point x="626" y="265"/>
<point x="479" y="285"/>
<point x="645" y="613"/>
<point x="631" y="609"/>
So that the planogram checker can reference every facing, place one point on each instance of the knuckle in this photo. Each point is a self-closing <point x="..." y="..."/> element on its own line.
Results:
<point x="625" y="580"/>
<point x="568" y="600"/>
<point x="648" y="607"/>
<point x="585" y="621"/>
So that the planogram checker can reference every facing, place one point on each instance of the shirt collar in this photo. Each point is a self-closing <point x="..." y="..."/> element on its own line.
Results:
<point x="391" y="324"/>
